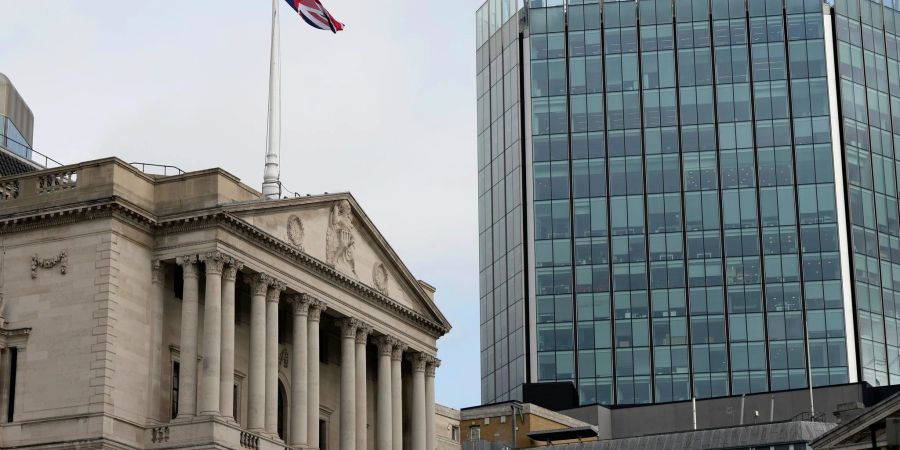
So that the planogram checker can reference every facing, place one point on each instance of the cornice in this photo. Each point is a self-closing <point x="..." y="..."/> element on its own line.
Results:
<point x="211" y="218"/>
<point x="78" y="212"/>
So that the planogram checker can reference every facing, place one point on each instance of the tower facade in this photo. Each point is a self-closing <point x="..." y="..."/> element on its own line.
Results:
<point x="688" y="198"/>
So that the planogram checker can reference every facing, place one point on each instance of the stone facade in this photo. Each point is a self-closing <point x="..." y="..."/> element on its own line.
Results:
<point x="184" y="311"/>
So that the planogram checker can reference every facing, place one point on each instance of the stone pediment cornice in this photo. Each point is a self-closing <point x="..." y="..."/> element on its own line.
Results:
<point x="213" y="217"/>
<point x="276" y="245"/>
<point x="362" y="220"/>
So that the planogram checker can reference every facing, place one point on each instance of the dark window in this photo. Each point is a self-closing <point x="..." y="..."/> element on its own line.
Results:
<point x="281" y="405"/>
<point x="175" y="381"/>
<point x="323" y="435"/>
<point x="13" y="365"/>
<point x="234" y="402"/>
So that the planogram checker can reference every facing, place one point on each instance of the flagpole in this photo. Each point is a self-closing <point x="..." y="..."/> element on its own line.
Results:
<point x="271" y="178"/>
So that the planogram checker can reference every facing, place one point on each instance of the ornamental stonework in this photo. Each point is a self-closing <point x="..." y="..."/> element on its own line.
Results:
<point x="380" y="278"/>
<point x="61" y="260"/>
<point x="340" y="244"/>
<point x="295" y="232"/>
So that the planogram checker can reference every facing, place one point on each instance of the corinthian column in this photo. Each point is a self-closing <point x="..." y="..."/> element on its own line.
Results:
<point x="362" y="336"/>
<point x="348" y="383"/>
<point x="272" y="298"/>
<point x="316" y="308"/>
<point x="226" y="380"/>
<point x="430" y="369"/>
<point x="256" y="404"/>
<point x="397" y="394"/>
<point x="212" y="334"/>
<point x="187" y="376"/>
<point x="299" y="371"/>
<point x="383" y="428"/>
<point x="419" y="360"/>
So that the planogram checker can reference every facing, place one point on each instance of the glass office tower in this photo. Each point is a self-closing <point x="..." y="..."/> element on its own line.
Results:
<point x="688" y="198"/>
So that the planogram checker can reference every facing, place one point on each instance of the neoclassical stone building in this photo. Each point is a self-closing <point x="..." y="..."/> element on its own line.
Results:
<point x="153" y="312"/>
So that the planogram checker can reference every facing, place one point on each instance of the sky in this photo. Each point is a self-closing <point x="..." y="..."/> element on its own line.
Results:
<point x="384" y="109"/>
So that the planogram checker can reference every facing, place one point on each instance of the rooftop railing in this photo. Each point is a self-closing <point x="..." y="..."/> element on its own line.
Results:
<point x="32" y="154"/>
<point x="157" y="169"/>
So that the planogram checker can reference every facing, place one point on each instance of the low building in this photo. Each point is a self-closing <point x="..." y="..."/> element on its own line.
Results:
<point x="875" y="427"/>
<point x="768" y="436"/>
<point x="447" y="422"/>
<point x="161" y="312"/>
<point x="519" y="425"/>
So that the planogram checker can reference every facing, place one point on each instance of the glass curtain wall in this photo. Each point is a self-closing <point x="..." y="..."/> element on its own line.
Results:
<point x="684" y="202"/>
<point x="867" y="51"/>
<point x="12" y="139"/>
<point x="500" y="211"/>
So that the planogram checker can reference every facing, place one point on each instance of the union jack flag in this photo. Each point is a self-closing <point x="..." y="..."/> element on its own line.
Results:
<point x="316" y="15"/>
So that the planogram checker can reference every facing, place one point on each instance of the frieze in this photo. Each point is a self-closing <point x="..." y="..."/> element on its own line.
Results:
<point x="61" y="260"/>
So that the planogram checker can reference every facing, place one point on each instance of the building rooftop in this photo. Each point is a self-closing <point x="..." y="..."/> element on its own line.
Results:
<point x="762" y="435"/>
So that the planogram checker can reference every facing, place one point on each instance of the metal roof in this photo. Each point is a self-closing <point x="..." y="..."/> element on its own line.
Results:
<point x="719" y="438"/>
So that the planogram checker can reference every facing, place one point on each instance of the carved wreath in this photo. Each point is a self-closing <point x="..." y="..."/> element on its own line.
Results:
<point x="48" y="263"/>
<point x="380" y="278"/>
<point x="295" y="231"/>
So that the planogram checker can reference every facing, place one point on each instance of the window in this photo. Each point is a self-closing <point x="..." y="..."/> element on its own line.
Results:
<point x="175" y="382"/>
<point x="474" y="433"/>
<point x="13" y="368"/>
<point x="323" y="434"/>
<point x="454" y="433"/>
<point x="235" y="405"/>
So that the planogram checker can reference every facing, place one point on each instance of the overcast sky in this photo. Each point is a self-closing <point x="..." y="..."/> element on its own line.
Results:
<point x="384" y="109"/>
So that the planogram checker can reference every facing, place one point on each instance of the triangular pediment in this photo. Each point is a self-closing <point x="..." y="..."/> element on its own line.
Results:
<point x="334" y="229"/>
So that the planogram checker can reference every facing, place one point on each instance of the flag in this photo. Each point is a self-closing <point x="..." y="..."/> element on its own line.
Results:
<point x="316" y="15"/>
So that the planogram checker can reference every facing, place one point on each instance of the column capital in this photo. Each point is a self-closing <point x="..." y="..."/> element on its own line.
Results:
<point x="397" y="351"/>
<point x="316" y="307"/>
<point x="259" y="283"/>
<point x="419" y="361"/>
<point x="214" y="261"/>
<point x="189" y="264"/>
<point x="300" y="303"/>
<point x="385" y="345"/>
<point x="232" y="267"/>
<point x="362" y="333"/>
<point x="275" y="289"/>
<point x="431" y="366"/>
<point x="348" y="327"/>
<point x="157" y="271"/>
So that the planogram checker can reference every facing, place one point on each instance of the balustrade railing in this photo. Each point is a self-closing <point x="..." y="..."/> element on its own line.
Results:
<point x="57" y="181"/>
<point x="9" y="190"/>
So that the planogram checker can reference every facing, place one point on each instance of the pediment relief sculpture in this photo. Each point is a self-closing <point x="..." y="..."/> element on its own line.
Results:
<point x="380" y="278"/>
<point x="295" y="232"/>
<point x="339" y="240"/>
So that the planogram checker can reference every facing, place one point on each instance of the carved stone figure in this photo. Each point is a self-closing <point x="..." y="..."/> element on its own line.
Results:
<point x="380" y="278"/>
<point x="339" y="240"/>
<point x="295" y="232"/>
